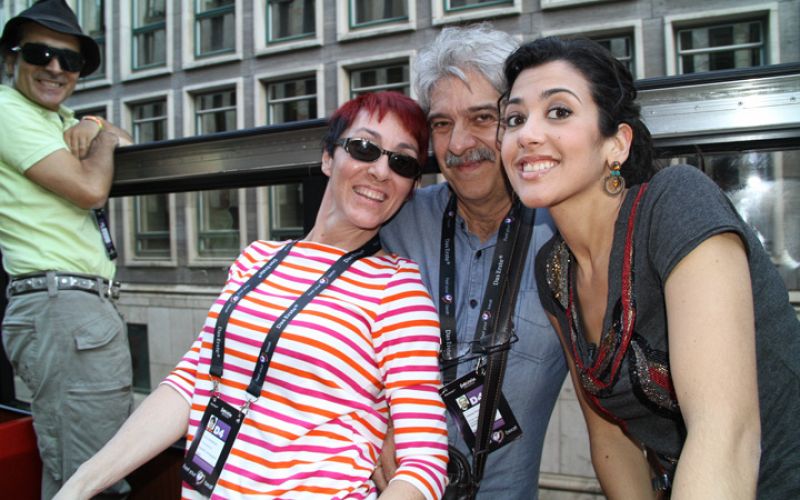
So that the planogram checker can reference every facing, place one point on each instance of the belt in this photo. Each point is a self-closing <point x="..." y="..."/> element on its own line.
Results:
<point x="62" y="281"/>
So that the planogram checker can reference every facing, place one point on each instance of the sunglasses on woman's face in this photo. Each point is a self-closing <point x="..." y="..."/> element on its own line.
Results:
<point x="366" y="150"/>
<point x="40" y="54"/>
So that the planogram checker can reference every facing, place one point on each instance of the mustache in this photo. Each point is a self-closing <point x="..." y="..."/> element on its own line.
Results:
<point x="473" y="155"/>
<point x="48" y="75"/>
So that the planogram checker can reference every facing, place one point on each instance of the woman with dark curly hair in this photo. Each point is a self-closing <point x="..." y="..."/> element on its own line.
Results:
<point x="676" y="326"/>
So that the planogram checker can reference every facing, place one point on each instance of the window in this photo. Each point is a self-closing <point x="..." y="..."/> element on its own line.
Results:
<point x="764" y="186"/>
<point x="458" y="5"/>
<point x="388" y="77"/>
<point x="150" y="225"/>
<point x="215" y="30"/>
<point x="722" y="46"/>
<point x="91" y="16"/>
<point x="292" y="100"/>
<point x="215" y="111"/>
<point x="369" y="12"/>
<point x="140" y="357"/>
<point x="101" y="112"/>
<point x="217" y="220"/>
<point x="286" y="211"/>
<point x="290" y="19"/>
<point x="149" y="34"/>
<point x="287" y="101"/>
<point x="621" y="47"/>
<point x="218" y="227"/>
<point x="149" y="121"/>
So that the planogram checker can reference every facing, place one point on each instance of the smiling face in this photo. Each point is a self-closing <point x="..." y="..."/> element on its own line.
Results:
<point x="47" y="86"/>
<point x="363" y="195"/>
<point x="552" y="148"/>
<point x="463" y="121"/>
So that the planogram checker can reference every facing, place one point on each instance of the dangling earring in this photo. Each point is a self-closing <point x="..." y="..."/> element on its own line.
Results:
<point x="614" y="183"/>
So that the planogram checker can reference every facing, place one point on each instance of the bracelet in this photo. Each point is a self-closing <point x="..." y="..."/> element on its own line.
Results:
<point x="95" y="119"/>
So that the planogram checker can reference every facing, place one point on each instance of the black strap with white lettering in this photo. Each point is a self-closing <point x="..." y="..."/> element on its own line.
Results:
<point x="268" y="347"/>
<point x="105" y="233"/>
<point x="496" y="342"/>
<point x="506" y="237"/>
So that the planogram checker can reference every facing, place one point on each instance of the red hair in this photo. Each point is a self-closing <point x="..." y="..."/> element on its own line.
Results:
<point x="408" y="112"/>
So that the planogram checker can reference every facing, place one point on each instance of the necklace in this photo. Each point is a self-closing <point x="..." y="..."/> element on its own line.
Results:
<point x="601" y="375"/>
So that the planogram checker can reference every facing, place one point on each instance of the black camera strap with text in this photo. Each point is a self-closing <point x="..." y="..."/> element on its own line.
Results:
<point x="497" y="343"/>
<point x="507" y="235"/>
<point x="495" y="329"/>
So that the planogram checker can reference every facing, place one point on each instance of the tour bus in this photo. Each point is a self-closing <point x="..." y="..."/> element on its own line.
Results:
<point x="740" y="127"/>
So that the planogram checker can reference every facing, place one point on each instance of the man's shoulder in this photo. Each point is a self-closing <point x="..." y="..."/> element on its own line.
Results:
<point x="418" y="221"/>
<point x="434" y="195"/>
<point x="22" y="114"/>
<point x="425" y="204"/>
<point x="11" y="100"/>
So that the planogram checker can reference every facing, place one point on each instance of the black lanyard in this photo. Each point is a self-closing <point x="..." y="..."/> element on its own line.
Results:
<point x="268" y="348"/>
<point x="447" y="280"/>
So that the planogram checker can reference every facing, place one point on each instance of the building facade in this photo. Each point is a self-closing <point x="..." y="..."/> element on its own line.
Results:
<point x="180" y="68"/>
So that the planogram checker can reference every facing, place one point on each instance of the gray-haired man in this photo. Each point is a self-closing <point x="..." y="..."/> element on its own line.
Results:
<point x="458" y="80"/>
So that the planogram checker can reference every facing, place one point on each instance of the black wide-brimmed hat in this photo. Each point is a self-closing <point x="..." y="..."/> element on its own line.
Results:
<point x="57" y="16"/>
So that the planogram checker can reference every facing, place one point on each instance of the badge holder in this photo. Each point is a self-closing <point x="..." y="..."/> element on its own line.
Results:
<point x="212" y="443"/>
<point x="105" y="233"/>
<point x="463" y="400"/>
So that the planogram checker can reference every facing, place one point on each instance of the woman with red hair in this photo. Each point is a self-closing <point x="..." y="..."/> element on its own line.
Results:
<point x="310" y="348"/>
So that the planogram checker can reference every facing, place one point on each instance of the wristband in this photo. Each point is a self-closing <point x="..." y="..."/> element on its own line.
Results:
<point x="95" y="119"/>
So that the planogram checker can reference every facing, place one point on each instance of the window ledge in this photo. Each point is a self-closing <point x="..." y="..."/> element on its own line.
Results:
<point x="93" y="84"/>
<point x="560" y="4"/>
<point x="146" y="73"/>
<point x="150" y="263"/>
<point x="472" y="15"/>
<point x="383" y="30"/>
<point x="278" y="47"/>
<point x="223" y="263"/>
<point x="211" y="61"/>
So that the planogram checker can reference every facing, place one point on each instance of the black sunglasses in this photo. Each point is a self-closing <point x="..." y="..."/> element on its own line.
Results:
<point x="366" y="150"/>
<point x="40" y="54"/>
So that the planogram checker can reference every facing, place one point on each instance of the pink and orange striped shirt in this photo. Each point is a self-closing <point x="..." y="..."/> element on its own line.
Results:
<point x="365" y="347"/>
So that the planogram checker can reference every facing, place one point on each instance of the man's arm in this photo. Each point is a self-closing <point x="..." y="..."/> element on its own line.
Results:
<point x="85" y="182"/>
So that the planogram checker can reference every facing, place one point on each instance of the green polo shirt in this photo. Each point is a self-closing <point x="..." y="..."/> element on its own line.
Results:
<point x="40" y="230"/>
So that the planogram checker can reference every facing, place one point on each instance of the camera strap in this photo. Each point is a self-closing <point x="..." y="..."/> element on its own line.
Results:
<point x="507" y="235"/>
<point x="497" y="341"/>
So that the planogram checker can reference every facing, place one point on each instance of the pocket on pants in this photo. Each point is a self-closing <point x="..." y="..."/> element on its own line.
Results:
<point x="97" y="332"/>
<point x="91" y="417"/>
<point x="102" y="355"/>
<point x="22" y="349"/>
<point x="47" y="439"/>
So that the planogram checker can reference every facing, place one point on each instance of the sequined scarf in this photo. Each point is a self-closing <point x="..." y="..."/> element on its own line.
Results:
<point x="600" y="376"/>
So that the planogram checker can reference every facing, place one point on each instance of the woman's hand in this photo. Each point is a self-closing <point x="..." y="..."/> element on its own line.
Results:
<point x="387" y="462"/>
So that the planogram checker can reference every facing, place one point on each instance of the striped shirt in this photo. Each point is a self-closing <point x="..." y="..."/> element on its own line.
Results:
<point x="363" y="348"/>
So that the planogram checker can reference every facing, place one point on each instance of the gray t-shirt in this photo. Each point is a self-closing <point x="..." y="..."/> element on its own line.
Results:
<point x="680" y="209"/>
<point x="536" y="367"/>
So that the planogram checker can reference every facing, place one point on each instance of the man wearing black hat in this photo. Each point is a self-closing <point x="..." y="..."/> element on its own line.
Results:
<point x="61" y="329"/>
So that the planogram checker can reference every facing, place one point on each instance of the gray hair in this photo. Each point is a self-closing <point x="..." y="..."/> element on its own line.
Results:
<point x="457" y="50"/>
